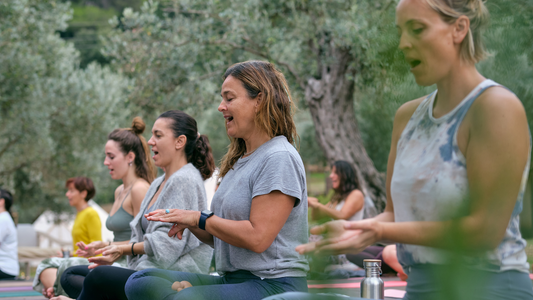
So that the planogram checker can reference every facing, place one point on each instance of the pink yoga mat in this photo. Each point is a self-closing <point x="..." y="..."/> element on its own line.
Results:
<point x="352" y="285"/>
<point x="392" y="293"/>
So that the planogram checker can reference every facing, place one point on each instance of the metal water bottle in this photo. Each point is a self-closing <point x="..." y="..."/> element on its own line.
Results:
<point x="372" y="286"/>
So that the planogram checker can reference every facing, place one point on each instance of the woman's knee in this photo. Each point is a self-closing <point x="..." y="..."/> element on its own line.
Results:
<point x="99" y="276"/>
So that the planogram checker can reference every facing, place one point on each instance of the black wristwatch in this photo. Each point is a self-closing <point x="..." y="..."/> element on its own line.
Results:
<point x="203" y="217"/>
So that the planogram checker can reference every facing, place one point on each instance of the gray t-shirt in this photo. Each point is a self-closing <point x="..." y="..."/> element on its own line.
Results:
<point x="274" y="166"/>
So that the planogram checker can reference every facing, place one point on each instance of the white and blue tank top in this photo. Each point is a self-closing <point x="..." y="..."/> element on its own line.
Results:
<point x="430" y="183"/>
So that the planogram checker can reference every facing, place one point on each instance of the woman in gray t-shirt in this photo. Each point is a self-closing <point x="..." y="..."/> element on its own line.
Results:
<point x="260" y="209"/>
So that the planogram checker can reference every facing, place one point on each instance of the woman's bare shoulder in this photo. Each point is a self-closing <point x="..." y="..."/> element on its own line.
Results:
<point x="403" y="114"/>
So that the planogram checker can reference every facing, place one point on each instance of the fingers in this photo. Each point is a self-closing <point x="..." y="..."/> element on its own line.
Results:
<point x="306" y="248"/>
<point x="176" y="231"/>
<point x="318" y="229"/>
<point x="356" y="225"/>
<point x="156" y="212"/>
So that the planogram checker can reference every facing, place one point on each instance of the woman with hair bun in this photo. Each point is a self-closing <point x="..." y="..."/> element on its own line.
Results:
<point x="187" y="160"/>
<point x="127" y="159"/>
<point x="457" y="169"/>
<point x="260" y="208"/>
<point x="9" y="265"/>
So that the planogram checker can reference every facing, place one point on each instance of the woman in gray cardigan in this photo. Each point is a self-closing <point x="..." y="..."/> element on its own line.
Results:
<point x="187" y="160"/>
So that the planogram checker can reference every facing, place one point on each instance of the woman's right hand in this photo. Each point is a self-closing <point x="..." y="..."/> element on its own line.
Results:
<point x="89" y="250"/>
<point x="110" y="254"/>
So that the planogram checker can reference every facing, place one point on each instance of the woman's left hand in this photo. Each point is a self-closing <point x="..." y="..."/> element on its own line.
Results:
<point x="182" y="219"/>
<point x="110" y="254"/>
<point x="344" y="237"/>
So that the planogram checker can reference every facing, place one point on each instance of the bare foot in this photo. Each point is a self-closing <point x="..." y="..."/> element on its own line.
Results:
<point x="180" y="285"/>
<point x="61" y="298"/>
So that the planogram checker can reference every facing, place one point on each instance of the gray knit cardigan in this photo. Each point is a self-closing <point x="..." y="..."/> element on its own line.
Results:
<point x="184" y="190"/>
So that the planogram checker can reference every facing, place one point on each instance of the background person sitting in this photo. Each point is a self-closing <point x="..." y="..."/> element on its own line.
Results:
<point x="9" y="265"/>
<point x="87" y="228"/>
<point x="347" y="203"/>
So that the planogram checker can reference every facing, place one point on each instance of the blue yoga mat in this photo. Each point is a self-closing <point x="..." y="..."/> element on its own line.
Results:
<point x="20" y="294"/>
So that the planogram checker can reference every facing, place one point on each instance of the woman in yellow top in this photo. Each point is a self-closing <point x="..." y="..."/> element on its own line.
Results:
<point x="87" y="226"/>
<point x="87" y="229"/>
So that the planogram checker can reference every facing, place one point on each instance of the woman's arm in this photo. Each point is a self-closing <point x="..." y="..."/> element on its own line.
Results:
<point x="496" y="156"/>
<point x="268" y="214"/>
<point x="354" y="202"/>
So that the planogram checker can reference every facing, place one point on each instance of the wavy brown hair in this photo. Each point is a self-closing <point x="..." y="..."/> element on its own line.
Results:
<point x="131" y="140"/>
<point x="276" y="108"/>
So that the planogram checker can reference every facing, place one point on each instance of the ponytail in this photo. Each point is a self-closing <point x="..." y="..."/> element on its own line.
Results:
<point x="197" y="149"/>
<point x="202" y="157"/>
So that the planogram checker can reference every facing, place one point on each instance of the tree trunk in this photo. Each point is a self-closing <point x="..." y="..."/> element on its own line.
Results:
<point x="331" y="103"/>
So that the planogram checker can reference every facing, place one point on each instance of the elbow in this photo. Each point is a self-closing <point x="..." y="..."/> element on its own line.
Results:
<point x="259" y="246"/>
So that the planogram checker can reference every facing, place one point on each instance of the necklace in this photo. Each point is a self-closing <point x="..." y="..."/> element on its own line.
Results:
<point x="248" y="153"/>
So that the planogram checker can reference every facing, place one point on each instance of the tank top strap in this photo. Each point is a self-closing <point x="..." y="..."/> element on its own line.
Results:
<point x="469" y="100"/>
<point x="125" y="196"/>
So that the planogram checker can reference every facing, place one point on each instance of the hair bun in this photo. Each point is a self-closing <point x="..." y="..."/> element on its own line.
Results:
<point x="137" y="125"/>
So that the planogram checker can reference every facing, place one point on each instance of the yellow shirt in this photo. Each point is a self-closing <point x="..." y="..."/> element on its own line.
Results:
<point x="87" y="228"/>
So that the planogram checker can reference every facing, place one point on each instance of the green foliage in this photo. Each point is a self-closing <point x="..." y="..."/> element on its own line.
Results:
<point x="176" y="51"/>
<point x="54" y="116"/>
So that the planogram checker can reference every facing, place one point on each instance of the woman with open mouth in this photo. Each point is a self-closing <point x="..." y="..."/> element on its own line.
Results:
<point x="457" y="169"/>
<point x="259" y="212"/>
<point x="186" y="157"/>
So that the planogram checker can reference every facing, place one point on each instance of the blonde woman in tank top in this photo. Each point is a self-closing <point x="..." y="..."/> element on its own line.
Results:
<point x="457" y="167"/>
<point x="347" y="202"/>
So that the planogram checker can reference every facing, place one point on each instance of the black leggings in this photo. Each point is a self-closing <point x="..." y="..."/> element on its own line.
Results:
<point x="104" y="282"/>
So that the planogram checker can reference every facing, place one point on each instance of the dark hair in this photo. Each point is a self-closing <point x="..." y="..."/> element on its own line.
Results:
<point x="197" y="149"/>
<point x="82" y="184"/>
<point x="8" y="199"/>
<point x="131" y="140"/>
<point x="275" y="112"/>
<point x="347" y="180"/>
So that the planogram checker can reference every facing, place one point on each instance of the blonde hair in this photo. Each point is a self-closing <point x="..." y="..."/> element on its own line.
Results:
<point x="472" y="47"/>
<point x="276" y="108"/>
